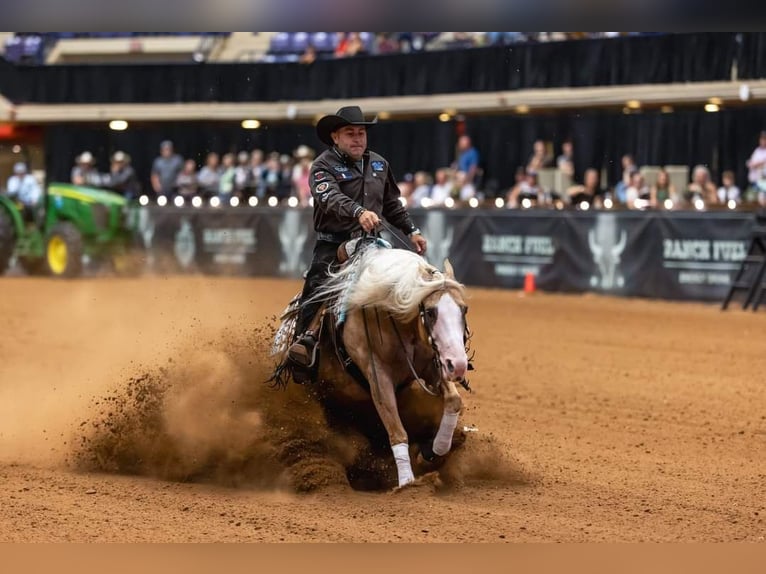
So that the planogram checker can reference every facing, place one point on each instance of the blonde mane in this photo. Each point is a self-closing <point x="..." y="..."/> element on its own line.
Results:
<point x="393" y="280"/>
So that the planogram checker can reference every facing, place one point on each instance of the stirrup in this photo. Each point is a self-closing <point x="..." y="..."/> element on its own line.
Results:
<point x="304" y="351"/>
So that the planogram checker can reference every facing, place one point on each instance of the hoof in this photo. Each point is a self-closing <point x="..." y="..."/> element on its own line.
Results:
<point x="430" y="480"/>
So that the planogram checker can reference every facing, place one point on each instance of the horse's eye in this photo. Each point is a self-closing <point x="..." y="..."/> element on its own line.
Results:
<point x="431" y="314"/>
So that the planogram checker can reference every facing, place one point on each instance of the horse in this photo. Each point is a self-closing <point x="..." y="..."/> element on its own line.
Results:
<point x="394" y="342"/>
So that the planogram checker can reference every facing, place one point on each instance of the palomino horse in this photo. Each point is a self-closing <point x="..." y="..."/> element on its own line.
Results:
<point x="398" y="324"/>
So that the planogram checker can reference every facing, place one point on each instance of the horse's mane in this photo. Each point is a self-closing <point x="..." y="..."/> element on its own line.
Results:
<point x="393" y="280"/>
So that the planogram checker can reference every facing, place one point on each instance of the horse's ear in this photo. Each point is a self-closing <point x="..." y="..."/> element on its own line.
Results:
<point x="448" y="270"/>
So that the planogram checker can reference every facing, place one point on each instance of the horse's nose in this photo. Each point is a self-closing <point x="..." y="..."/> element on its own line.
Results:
<point x="456" y="367"/>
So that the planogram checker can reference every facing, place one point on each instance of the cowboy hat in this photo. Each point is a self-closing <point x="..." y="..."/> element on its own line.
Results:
<point x="303" y="151"/>
<point x="119" y="157"/>
<point x="348" y="116"/>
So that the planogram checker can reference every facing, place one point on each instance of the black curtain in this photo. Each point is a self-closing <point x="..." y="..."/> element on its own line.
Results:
<point x="751" y="55"/>
<point x="721" y="141"/>
<point x="617" y="61"/>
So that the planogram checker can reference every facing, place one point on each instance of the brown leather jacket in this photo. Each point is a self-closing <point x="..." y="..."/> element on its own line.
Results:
<point x="341" y="192"/>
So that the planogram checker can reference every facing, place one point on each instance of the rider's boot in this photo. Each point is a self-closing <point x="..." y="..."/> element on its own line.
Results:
<point x="304" y="351"/>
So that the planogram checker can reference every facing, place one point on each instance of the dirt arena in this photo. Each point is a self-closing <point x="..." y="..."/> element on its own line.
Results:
<point x="599" y="419"/>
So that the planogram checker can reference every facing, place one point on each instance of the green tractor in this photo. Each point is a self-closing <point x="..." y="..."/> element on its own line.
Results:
<point x="74" y="221"/>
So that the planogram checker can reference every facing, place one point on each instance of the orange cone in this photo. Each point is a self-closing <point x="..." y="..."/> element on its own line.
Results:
<point x="529" y="283"/>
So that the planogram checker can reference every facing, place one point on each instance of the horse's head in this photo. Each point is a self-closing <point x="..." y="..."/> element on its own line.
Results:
<point x="443" y="315"/>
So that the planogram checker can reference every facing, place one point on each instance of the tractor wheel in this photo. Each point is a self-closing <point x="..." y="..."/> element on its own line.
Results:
<point x="7" y="240"/>
<point x="63" y="251"/>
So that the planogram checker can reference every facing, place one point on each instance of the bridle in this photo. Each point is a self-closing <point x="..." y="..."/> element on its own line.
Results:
<point x="428" y="337"/>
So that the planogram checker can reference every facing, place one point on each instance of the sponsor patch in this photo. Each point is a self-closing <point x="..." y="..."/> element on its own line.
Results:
<point x="322" y="187"/>
<point x="320" y="176"/>
<point x="340" y="168"/>
<point x="378" y="165"/>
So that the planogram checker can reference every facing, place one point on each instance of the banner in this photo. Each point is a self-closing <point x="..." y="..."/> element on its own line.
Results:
<point x="671" y="255"/>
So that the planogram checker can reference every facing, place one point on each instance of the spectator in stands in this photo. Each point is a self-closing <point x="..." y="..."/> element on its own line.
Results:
<point x="350" y="44"/>
<point x="165" y="169"/>
<point x="565" y="162"/>
<point x="701" y="187"/>
<point x="84" y="171"/>
<point x="505" y="38"/>
<point x="386" y="44"/>
<point x="629" y="167"/>
<point x="271" y="175"/>
<point x="589" y="191"/>
<point x="728" y="190"/>
<point x="442" y="187"/>
<point x="467" y="160"/>
<point x="309" y="55"/>
<point x="257" y="185"/>
<point x="304" y="156"/>
<point x="186" y="182"/>
<point x="122" y="177"/>
<point x="541" y="157"/>
<point x="422" y="184"/>
<point x="209" y="177"/>
<point x="24" y="188"/>
<point x="228" y="173"/>
<point x="529" y="188"/>
<point x="637" y="194"/>
<point x="406" y="186"/>
<point x="242" y="174"/>
<point x="463" y="190"/>
<point x="662" y="190"/>
<point x="285" y="186"/>
<point x="756" y="174"/>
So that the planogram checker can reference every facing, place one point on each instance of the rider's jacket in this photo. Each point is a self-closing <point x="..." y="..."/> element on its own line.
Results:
<point x="342" y="191"/>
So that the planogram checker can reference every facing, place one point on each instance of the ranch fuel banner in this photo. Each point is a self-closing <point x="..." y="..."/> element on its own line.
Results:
<point x="668" y="255"/>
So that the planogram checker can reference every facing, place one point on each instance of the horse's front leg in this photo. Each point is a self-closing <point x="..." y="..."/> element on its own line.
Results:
<point x="384" y="398"/>
<point x="442" y="442"/>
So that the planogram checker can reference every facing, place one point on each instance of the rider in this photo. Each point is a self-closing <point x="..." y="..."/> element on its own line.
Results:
<point x="352" y="188"/>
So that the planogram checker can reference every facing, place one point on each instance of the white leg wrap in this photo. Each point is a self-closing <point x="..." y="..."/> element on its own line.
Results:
<point x="443" y="440"/>
<point x="403" y="466"/>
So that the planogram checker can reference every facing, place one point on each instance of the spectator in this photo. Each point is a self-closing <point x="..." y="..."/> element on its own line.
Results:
<point x="756" y="174"/>
<point x="242" y="174"/>
<point x="468" y="159"/>
<point x="565" y="162"/>
<point x="406" y="186"/>
<point x="728" y="190"/>
<point x="637" y="192"/>
<point x="271" y="175"/>
<point x="662" y="190"/>
<point x="386" y="44"/>
<point x="505" y="38"/>
<point x="462" y="189"/>
<point x="304" y="157"/>
<point x="442" y="187"/>
<point x="257" y="185"/>
<point x="209" y="177"/>
<point x="165" y="169"/>
<point x="701" y="187"/>
<point x="309" y="55"/>
<point x="528" y="188"/>
<point x="590" y="191"/>
<point x="122" y="177"/>
<point x="628" y="169"/>
<point x="228" y="172"/>
<point x="23" y="187"/>
<point x="285" y="185"/>
<point x="350" y="44"/>
<point x="84" y="171"/>
<point x="186" y="182"/>
<point x="422" y="188"/>
<point x="541" y="157"/>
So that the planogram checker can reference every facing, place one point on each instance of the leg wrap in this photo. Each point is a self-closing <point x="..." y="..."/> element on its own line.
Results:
<point x="443" y="440"/>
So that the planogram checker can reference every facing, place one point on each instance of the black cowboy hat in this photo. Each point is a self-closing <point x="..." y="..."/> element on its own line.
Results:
<point x="348" y="116"/>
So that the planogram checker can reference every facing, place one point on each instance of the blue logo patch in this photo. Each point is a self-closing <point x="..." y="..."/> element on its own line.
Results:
<point x="340" y="168"/>
<point x="378" y="165"/>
